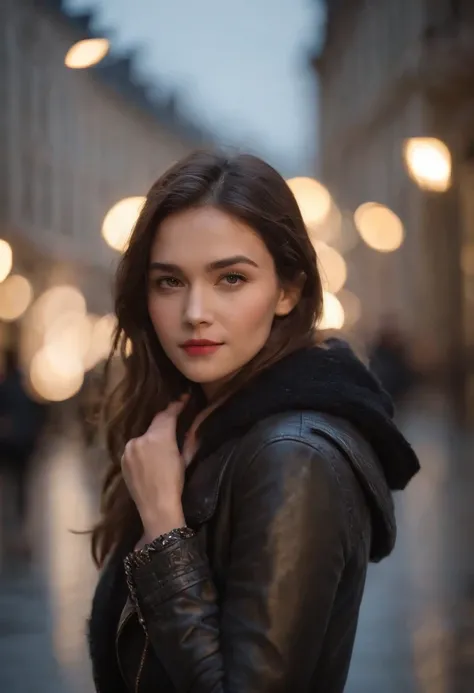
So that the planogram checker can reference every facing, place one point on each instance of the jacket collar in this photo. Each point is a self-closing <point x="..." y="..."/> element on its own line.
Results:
<point x="329" y="380"/>
<point x="345" y="403"/>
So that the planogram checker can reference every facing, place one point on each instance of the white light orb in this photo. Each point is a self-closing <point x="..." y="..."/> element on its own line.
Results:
<point x="52" y="381"/>
<point x="333" y="267"/>
<point x="6" y="259"/>
<point x="56" y="301"/>
<point x="428" y="161"/>
<point x="314" y="200"/>
<point x="101" y="340"/>
<point x="352" y="307"/>
<point x="16" y="294"/>
<point x="379" y="227"/>
<point x="68" y="337"/>
<point x="119" y="221"/>
<point x="333" y="313"/>
<point x="86" y="53"/>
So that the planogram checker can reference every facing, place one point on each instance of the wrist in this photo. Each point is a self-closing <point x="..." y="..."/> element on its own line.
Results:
<point x="162" y="520"/>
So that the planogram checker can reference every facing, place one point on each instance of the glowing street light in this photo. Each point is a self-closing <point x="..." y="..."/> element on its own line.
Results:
<point x="102" y="332"/>
<point x="352" y="307"/>
<point x="58" y="337"/>
<point x="55" y="382"/>
<point x="55" y="302"/>
<point x="379" y="227"/>
<point x="314" y="200"/>
<point x="333" y="313"/>
<point x="16" y="294"/>
<point x="119" y="221"/>
<point x="428" y="161"/>
<point x="86" y="53"/>
<point x="333" y="266"/>
<point x="6" y="259"/>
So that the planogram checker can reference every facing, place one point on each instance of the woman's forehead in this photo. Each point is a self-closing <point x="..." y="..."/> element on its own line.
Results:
<point x="205" y="235"/>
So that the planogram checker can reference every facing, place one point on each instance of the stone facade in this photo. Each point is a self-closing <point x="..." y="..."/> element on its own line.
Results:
<point x="389" y="71"/>
<point x="73" y="142"/>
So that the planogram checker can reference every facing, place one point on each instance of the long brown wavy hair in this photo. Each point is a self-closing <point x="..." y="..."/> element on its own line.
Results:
<point x="250" y="190"/>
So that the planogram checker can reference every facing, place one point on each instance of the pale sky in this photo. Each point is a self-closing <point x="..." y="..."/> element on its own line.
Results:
<point x="241" y="68"/>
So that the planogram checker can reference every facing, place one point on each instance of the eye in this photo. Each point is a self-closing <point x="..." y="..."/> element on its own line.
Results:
<point x="167" y="282"/>
<point x="233" y="278"/>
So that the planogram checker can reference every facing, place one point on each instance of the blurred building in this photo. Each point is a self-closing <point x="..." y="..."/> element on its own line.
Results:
<point x="389" y="71"/>
<point x="73" y="143"/>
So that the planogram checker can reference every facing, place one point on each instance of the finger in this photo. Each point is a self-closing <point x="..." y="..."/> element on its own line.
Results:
<point x="127" y="450"/>
<point x="128" y="447"/>
<point x="173" y="410"/>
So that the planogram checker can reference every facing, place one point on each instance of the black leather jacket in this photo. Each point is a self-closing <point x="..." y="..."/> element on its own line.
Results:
<point x="265" y="598"/>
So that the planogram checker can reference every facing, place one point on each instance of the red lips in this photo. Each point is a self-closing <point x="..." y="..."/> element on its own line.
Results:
<point x="200" y="347"/>
<point x="200" y="342"/>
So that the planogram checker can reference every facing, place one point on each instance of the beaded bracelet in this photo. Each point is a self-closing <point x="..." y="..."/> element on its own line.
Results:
<point x="144" y="555"/>
<point x="141" y="557"/>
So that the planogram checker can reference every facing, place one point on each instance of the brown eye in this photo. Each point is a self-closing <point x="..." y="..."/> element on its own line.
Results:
<point x="233" y="278"/>
<point x="167" y="282"/>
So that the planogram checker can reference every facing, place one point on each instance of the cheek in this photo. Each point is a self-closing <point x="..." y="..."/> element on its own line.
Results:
<point x="255" y="313"/>
<point x="162" y="316"/>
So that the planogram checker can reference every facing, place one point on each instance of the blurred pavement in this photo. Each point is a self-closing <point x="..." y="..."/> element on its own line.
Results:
<point x="43" y="609"/>
<point x="416" y="631"/>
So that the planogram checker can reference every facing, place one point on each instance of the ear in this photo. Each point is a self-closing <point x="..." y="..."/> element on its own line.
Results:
<point x="290" y="296"/>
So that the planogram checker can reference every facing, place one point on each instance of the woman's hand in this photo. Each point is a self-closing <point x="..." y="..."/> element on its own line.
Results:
<point x="153" y="470"/>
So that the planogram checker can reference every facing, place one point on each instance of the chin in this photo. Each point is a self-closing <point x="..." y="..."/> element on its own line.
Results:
<point x="203" y="375"/>
<point x="207" y="370"/>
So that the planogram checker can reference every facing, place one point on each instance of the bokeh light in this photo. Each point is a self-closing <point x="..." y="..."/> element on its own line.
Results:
<point x="352" y="307"/>
<point x="57" y="301"/>
<point x="333" y="313"/>
<point x="102" y="330"/>
<point x="379" y="227"/>
<point x="313" y="199"/>
<point x="86" y="53"/>
<point x="63" y="364"/>
<point x="67" y="339"/>
<point x="16" y="294"/>
<point x="56" y="338"/>
<point x="329" y="229"/>
<point x="333" y="267"/>
<point x="348" y="237"/>
<point x="52" y="382"/>
<point x="119" y="221"/>
<point x="62" y="341"/>
<point x="428" y="161"/>
<point x="6" y="259"/>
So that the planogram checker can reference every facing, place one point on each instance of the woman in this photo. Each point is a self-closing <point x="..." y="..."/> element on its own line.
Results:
<point x="252" y="465"/>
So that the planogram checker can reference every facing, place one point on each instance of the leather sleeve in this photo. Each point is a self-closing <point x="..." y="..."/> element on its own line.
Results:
<point x="287" y="555"/>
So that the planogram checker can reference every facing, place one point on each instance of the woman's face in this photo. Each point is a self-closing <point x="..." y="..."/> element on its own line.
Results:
<point x="213" y="294"/>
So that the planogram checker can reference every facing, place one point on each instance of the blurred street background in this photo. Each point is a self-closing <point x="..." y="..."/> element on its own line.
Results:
<point x="367" y="108"/>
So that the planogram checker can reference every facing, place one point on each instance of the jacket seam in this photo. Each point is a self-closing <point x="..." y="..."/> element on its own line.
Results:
<point x="295" y="439"/>
<point x="166" y="592"/>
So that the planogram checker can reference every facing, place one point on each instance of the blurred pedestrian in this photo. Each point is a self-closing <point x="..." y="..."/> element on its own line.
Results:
<point x="21" y="423"/>
<point x="390" y="361"/>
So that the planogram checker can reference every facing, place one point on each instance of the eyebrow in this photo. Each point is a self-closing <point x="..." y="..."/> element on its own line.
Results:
<point x="217" y="264"/>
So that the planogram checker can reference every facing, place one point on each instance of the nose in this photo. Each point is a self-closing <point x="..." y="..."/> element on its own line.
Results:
<point x="197" y="309"/>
